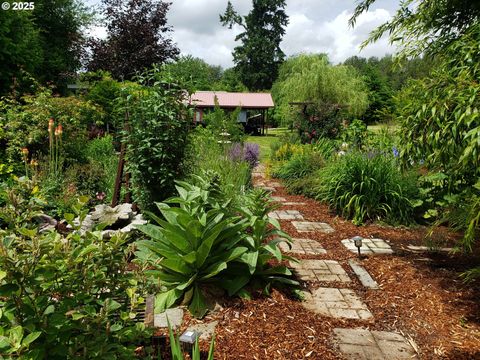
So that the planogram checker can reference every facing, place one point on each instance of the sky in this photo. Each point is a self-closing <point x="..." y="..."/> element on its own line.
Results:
<point x="315" y="26"/>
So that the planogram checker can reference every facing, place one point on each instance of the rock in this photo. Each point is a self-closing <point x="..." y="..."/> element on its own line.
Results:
<point x="120" y="218"/>
<point x="45" y="223"/>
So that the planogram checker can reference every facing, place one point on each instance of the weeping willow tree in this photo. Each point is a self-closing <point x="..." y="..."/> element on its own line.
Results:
<point x="329" y="93"/>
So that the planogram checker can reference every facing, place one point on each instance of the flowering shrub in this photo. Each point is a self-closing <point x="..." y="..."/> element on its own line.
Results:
<point x="249" y="152"/>
<point x="286" y="151"/>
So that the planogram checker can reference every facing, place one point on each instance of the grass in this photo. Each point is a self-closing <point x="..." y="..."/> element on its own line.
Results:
<point x="265" y="141"/>
<point x="379" y="127"/>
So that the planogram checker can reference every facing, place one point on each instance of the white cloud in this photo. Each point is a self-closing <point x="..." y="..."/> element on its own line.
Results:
<point x="314" y="26"/>
<point x="335" y="37"/>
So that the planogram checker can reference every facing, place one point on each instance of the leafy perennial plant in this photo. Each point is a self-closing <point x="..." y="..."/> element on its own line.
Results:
<point x="200" y="240"/>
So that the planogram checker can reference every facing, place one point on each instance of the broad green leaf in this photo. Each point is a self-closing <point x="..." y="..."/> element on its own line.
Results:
<point x="27" y="340"/>
<point x="197" y="306"/>
<point x="166" y="299"/>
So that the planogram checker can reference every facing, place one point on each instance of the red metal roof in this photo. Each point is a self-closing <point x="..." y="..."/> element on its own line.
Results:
<point x="232" y="100"/>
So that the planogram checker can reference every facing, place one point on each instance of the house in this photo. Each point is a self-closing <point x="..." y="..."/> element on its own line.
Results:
<point x="253" y="107"/>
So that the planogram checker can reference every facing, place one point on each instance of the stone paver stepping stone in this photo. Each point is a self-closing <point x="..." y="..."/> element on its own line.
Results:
<point x="305" y="226"/>
<point x="303" y="247"/>
<point x="321" y="270"/>
<point x="206" y="330"/>
<point x="369" y="246"/>
<point x="337" y="303"/>
<point x="286" y="215"/>
<point x="278" y="199"/>
<point x="175" y="317"/>
<point x="363" y="275"/>
<point x="430" y="249"/>
<point x="287" y="203"/>
<point x="363" y="344"/>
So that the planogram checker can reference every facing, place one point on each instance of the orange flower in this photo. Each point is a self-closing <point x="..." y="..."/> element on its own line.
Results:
<point x="59" y="130"/>
<point x="51" y="124"/>
<point x="25" y="151"/>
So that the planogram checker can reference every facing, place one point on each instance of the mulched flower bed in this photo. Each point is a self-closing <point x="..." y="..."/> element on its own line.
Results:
<point x="421" y="297"/>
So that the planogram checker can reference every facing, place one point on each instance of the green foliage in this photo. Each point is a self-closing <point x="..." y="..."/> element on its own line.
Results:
<point x="195" y="72"/>
<point x="328" y="93"/>
<point x="258" y="57"/>
<point x="41" y="45"/>
<point x="355" y="133"/>
<point x="231" y="81"/>
<point x="104" y="93"/>
<point x="221" y="122"/>
<point x="201" y="240"/>
<point x="207" y="157"/>
<point x="19" y="49"/>
<point x="380" y="89"/>
<point x="26" y="125"/>
<point x="365" y="187"/>
<point x="300" y="165"/>
<point x="159" y="122"/>
<point x="427" y="26"/>
<point x="439" y="117"/>
<point x="65" y="296"/>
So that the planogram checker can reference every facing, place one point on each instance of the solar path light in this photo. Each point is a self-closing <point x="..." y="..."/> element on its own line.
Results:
<point x="357" y="240"/>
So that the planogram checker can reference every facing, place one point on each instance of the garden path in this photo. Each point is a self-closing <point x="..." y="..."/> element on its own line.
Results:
<point x="335" y="299"/>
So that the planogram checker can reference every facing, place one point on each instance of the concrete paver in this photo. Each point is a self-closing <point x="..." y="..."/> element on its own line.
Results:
<point x="363" y="344"/>
<point x="306" y="226"/>
<point x="303" y="247"/>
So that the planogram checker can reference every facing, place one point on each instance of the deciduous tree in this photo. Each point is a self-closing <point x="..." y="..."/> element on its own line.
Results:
<point x="136" y="38"/>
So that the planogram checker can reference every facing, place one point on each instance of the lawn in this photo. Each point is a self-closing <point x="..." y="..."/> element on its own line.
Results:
<point x="265" y="141"/>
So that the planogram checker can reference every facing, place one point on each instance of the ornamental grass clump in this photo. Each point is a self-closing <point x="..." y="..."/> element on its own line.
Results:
<point x="365" y="187"/>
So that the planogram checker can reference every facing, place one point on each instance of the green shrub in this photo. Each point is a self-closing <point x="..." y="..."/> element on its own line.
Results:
<point x="26" y="125"/>
<point x="221" y="122"/>
<point x="300" y="165"/>
<point x="202" y="240"/>
<point x="159" y="123"/>
<point x="355" y="134"/>
<point x="66" y="296"/>
<point x="189" y="247"/>
<point x="365" y="187"/>
<point x="304" y="186"/>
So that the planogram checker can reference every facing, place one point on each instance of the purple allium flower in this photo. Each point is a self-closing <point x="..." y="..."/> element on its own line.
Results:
<point x="395" y="151"/>
<point x="251" y="153"/>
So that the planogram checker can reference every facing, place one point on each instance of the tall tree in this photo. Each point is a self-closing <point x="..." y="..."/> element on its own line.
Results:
<point x="258" y="57"/>
<point x="61" y="25"/>
<point x="43" y="45"/>
<point x="19" y="49"/>
<point x="136" y="38"/>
